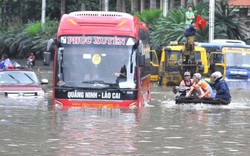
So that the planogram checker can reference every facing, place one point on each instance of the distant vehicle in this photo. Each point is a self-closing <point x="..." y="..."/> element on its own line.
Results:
<point x="172" y="64"/>
<point x="247" y="40"/>
<point x="30" y="64"/>
<point x="232" y="60"/>
<point x="228" y="41"/>
<point x="20" y="83"/>
<point x="154" y="71"/>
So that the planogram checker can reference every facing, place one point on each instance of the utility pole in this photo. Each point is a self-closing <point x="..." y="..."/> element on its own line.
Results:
<point x="211" y="20"/>
<point x="165" y="7"/>
<point x="43" y="12"/>
<point x="106" y="5"/>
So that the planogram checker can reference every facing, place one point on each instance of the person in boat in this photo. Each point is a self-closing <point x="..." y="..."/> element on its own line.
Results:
<point x="201" y="87"/>
<point x="221" y="87"/>
<point x="185" y="84"/>
<point x="6" y="62"/>
<point x="187" y="81"/>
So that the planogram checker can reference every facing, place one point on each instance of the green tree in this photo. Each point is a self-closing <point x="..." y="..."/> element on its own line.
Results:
<point x="225" y="20"/>
<point x="149" y="17"/>
<point x="171" y="28"/>
<point x="168" y="28"/>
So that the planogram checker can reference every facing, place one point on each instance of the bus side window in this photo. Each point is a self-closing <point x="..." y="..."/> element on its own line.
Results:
<point x="144" y="37"/>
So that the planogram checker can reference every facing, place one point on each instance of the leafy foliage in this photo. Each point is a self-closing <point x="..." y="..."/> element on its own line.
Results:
<point x="171" y="28"/>
<point x="224" y="20"/>
<point x="33" y="39"/>
<point x="32" y="29"/>
<point x="149" y="16"/>
<point x="19" y="36"/>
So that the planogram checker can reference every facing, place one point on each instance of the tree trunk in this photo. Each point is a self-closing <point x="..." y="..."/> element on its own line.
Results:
<point x="189" y="2"/>
<point x="120" y="6"/>
<point x="161" y="4"/>
<point x="183" y="3"/>
<point x="83" y="7"/>
<point x="194" y="2"/>
<point x="142" y="5"/>
<point x="124" y="6"/>
<point x="134" y="6"/>
<point x="152" y="4"/>
<point x="63" y="6"/>
<point x="171" y="4"/>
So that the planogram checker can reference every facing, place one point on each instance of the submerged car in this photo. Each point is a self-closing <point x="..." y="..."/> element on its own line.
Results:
<point x="21" y="82"/>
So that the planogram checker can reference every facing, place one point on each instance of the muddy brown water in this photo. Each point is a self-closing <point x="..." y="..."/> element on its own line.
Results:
<point x="30" y="126"/>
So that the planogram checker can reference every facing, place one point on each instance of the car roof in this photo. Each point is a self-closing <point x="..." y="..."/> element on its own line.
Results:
<point x="221" y="45"/>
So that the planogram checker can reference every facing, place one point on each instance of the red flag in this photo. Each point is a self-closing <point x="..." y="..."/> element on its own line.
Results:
<point x="200" y="23"/>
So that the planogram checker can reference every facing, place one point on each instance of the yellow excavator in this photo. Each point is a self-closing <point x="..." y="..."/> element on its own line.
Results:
<point x="178" y="58"/>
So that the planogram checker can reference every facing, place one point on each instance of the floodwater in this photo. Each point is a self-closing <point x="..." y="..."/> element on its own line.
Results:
<point x="31" y="126"/>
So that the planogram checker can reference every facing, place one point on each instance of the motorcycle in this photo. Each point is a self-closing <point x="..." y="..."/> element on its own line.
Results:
<point x="30" y="63"/>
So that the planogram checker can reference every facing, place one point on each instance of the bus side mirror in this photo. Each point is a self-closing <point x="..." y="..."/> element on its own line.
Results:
<point x="141" y="60"/>
<point x="140" y="47"/>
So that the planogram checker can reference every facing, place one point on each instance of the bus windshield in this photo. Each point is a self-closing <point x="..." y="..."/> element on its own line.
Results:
<point x="238" y="60"/>
<point x="97" y="65"/>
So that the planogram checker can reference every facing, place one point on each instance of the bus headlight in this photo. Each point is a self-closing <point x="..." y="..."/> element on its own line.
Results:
<point x="58" y="104"/>
<point x="133" y="105"/>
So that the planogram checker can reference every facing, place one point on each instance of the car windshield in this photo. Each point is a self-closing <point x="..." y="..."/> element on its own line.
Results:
<point x="18" y="77"/>
<point x="102" y="65"/>
<point x="238" y="60"/>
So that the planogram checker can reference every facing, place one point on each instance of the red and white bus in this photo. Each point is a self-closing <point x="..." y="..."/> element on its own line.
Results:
<point x="102" y="59"/>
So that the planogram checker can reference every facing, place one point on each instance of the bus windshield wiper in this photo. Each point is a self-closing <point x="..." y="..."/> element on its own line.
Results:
<point x="99" y="82"/>
<point x="14" y="78"/>
<point x="94" y="81"/>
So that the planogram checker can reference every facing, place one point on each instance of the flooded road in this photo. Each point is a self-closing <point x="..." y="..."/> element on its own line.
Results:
<point x="32" y="127"/>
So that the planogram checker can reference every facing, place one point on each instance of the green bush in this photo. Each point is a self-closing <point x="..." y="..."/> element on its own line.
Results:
<point x="19" y="42"/>
<point x="33" y="28"/>
<point x="50" y="28"/>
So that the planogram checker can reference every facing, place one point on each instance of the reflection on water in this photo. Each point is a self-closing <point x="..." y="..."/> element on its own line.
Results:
<point x="31" y="126"/>
<point x="96" y="131"/>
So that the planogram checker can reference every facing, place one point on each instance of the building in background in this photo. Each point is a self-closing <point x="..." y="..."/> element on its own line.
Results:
<point x="243" y="15"/>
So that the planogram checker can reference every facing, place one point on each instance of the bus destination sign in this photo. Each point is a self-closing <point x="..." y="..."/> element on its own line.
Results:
<point x="98" y="40"/>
